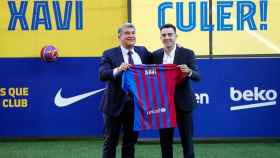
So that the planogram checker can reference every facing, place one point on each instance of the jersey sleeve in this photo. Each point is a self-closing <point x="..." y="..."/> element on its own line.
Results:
<point x="125" y="82"/>
<point x="180" y="76"/>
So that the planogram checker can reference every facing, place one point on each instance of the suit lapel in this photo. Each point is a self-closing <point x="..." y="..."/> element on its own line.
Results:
<point x="119" y="56"/>
<point x="161" y="56"/>
<point x="177" y="56"/>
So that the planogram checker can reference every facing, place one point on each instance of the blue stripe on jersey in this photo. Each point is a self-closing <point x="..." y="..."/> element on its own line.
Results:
<point x="165" y="95"/>
<point x="137" y="113"/>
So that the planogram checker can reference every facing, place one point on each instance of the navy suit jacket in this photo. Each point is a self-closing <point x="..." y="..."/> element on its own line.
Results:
<point x="184" y="97"/>
<point x="112" y="102"/>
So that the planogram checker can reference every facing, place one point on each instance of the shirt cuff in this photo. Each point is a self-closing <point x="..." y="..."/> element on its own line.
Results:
<point x="115" y="72"/>
<point x="190" y="74"/>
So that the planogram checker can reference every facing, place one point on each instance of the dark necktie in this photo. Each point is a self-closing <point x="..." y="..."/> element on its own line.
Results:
<point x="129" y="96"/>
<point x="130" y="60"/>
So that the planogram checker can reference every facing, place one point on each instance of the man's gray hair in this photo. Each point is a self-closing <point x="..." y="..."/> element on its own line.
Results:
<point x="125" y="25"/>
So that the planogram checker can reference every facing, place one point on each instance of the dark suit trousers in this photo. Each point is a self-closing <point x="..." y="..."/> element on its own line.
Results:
<point x="112" y="128"/>
<point x="185" y="126"/>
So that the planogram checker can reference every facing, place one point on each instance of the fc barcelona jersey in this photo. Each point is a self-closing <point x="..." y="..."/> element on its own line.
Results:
<point x="153" y="87"/>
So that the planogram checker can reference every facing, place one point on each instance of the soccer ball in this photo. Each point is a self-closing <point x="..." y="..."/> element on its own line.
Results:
<point x="49" y="53"/>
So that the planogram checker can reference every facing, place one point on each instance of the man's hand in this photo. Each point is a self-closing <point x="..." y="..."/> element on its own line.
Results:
<point x="123" y="67"/>
<point x="185" y="69"/>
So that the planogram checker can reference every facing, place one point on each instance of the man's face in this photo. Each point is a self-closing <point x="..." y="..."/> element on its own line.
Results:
<point x="168" y="37"/>
<point x="127" y="37"/>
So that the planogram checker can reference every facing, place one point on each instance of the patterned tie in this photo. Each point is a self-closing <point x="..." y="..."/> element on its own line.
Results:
<point x="130" y="60"/>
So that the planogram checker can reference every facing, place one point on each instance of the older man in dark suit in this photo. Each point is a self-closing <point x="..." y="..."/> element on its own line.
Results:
<point x="117" y="106"/>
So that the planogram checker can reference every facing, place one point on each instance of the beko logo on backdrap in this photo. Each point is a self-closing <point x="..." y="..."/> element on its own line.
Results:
<point x="256" y="97"/>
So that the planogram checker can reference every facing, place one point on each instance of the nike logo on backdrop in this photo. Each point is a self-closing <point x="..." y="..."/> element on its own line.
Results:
<point x="60" y="101"/>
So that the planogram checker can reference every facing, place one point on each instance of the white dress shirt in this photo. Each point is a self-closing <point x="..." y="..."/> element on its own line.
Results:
<point x="168" y="58"/>
<point x="135" y="57"/>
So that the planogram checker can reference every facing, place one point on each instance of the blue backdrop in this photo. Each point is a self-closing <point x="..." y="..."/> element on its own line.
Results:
<point x="236" y="98"/>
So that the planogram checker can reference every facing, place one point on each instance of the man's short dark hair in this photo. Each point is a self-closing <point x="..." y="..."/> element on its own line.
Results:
<point x="168" y="26"/>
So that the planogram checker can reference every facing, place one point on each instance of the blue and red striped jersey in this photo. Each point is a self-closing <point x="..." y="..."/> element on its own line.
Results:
<point x="153" y="87"/>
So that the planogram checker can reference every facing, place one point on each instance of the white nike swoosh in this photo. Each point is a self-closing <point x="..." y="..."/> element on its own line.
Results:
<point x="249" y="106"/>
<point x="63" y="102"/>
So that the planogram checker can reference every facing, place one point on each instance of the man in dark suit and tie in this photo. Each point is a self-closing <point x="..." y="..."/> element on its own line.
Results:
<point x="184" y="97"/>
<point x="116" y="105"/>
